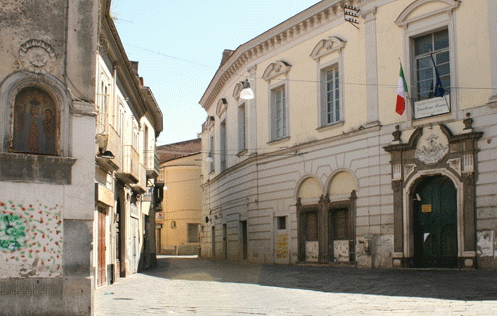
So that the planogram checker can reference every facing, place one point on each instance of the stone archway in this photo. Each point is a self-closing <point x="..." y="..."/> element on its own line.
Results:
<point x="434" y="216"/>
<point x="429" y="152"/>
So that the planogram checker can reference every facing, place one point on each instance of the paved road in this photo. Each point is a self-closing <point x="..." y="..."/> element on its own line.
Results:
<point x="190" y="286"/>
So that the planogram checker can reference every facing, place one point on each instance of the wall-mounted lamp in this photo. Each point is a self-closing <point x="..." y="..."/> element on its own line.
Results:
<point x="246" y="93"/>
<point x="209" y="159"/>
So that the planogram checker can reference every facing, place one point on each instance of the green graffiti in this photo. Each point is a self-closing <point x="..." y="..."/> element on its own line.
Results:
<point x="12" y="232"/>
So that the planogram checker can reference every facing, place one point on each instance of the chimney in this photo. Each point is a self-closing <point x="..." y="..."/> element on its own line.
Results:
<point x="226" y="54"/>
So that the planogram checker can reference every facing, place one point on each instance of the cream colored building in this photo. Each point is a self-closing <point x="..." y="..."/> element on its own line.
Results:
<point x="179" y="220"/>
<point x="128" y="123"/>
<point x="319" y="167"/>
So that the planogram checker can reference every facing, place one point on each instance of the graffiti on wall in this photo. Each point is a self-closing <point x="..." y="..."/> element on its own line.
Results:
<point x="30" y="240"/>
<point x="282" y="246"/>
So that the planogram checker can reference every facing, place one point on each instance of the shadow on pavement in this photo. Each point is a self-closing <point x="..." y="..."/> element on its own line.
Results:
<point x="467" y="285"/>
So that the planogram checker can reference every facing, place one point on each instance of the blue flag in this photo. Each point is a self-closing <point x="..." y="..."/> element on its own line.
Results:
<point x="439" y="89"/>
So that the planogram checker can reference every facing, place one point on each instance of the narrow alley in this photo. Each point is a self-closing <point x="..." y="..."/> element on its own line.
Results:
<point x="194" y="286"/>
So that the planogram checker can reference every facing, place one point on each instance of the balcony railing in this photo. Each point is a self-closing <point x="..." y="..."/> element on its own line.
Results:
<point x="130" y="165"/>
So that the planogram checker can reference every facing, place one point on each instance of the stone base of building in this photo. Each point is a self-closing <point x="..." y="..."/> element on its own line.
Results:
<point x="46" y="296"/>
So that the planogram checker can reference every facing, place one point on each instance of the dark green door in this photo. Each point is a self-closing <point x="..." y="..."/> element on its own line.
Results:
<point x="435" y="223"/>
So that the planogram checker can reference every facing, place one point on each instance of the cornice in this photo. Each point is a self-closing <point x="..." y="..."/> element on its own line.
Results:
<point x="285" y="32"/>
<point x="119" y="58"/>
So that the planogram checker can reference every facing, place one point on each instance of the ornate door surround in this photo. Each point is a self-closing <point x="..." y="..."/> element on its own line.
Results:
<point x="432" y="151"/>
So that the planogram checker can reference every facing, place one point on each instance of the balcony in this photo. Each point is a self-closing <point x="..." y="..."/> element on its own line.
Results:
<point x="141" y="185"/>
<point x="151" y="163"/>
<point x="114" y="147"/>
<point x="130" y="166"/>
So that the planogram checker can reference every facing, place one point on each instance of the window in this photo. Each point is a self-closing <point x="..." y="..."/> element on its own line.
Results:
<point x="223" y="149"/>
<point x="193" y="233"/>
<point x="136" y="135"/>
<point x="211" y="154"/>
<point x="102" y="104"/>
<point x="429" y="50"/>
<point x="242" y="128"/>
<point x="120" y="119"/>
<point x="330" y="100"/>
<point x="35" y="122"/>
<point x="279" y="113"/>
<point x="281" y="222"/>
<point x="431" y="55"/>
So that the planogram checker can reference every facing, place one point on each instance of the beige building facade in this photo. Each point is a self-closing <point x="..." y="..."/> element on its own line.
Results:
<point x="319" y="166"/>
<point x="179" y="219"/>
<point x="128" y="123"/>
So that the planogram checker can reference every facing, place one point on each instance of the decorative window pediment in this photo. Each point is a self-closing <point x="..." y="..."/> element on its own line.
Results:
<point x="421" y="9"/>
<point x="276" y="69"/>
<point x="327" y="46"/>
<point x="222" y="104"/>
<point x="236" y="91"/>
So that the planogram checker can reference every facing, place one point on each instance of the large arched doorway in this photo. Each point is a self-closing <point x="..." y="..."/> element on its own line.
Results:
<point x="435" y="223"/>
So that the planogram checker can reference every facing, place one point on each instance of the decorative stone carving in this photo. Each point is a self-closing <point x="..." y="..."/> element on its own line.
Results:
<point x="468" y="163"/>
<point x="275" y="69"/>
<point x="396" y="134"/>
<point x="455" y="164"/>
<point x="409" y="169"/>
<point x="327" y="46"/>
<point x="36" y="56"/>
<point x="431" y="149"/>
<point x="468" y="123"/>
<point x="397" y="172"/>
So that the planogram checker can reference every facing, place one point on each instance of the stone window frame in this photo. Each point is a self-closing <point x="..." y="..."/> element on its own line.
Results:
<point x="323" y="49"/>
<point x="415" y="26"/>
<point x="277" y="77"/>
<point x="24" y="167"/>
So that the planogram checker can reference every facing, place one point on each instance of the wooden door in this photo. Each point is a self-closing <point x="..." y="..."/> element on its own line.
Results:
<point x="339" y="235"/>
<point x="435" y="223"/>
<point x="244" y="240"/>
<point x="101" y="278"/>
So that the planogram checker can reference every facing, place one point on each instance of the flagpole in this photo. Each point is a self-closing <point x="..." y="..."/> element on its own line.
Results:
<point x="438" y="84"/>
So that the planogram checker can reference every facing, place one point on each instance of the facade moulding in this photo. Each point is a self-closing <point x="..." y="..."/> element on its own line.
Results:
<point x="287" y="31"/>
<point x="289" y="152"/>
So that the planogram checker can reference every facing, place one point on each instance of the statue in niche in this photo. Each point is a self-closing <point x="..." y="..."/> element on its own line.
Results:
<point x="35" y="122"/>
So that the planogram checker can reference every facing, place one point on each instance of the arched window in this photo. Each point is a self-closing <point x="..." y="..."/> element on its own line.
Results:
<point x="36" y="122"/>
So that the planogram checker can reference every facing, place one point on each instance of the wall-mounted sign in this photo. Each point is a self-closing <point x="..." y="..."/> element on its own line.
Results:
<point x="431" y="107"/>
<point x="426" y="208"/>
<point x="104" y="195"/>
<point x="160" y="215"/>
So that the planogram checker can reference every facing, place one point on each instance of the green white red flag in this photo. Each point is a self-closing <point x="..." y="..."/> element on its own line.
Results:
<point x="401" y="93"/>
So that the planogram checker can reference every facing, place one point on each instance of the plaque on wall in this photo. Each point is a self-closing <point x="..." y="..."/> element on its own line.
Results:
<point x="311" y="251"/>
<point x="426" y="208"/>
<point x="341" y="250"/>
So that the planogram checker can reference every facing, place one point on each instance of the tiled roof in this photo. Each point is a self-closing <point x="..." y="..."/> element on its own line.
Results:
<point x="177" y="150"/>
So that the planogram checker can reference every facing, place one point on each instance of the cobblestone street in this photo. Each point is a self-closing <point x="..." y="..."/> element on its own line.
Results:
<point x="191" y="286"/>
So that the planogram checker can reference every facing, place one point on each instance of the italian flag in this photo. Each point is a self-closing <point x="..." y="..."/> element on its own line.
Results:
<point x="401" y="93"/>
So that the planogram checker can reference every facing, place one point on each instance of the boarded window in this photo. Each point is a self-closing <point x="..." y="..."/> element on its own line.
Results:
<point x="311" y="226"/>
<point x="35" y="123"/>
<point x="193" y="234"/>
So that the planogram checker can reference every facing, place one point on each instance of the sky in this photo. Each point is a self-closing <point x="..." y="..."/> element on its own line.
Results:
<point x="179" y="45"/>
